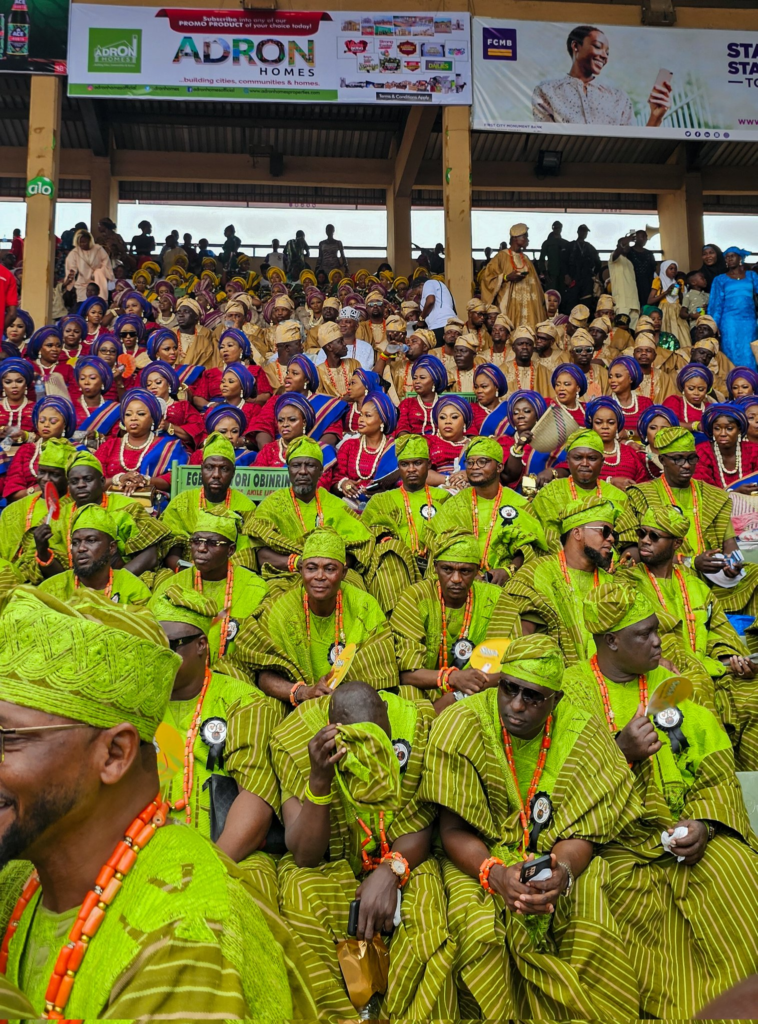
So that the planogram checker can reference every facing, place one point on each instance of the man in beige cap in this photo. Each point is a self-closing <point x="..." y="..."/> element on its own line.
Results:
<point x="197" y="346"/>
<point x="329" y="312"/>
<point x="282" y="309"/>
<point x="375" y="327"/>
<point x="582" y="354"/>
<point x="398" y="367"/>
<point x="524" y="371"/>
<point x="454" y="328"/>
<point x="288" y="342"/>
<point x="336" y="372"/>
<point x="510" y="281"/>
<point x="477" y="312"/>
<point x="465" y="359"/>
<point x="547" y="349"/>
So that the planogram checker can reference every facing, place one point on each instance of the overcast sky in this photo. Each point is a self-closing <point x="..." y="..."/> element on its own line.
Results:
<point x="369" y="227"/>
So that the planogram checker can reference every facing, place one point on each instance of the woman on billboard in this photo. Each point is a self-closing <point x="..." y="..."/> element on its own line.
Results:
<point x="579" y="98"/>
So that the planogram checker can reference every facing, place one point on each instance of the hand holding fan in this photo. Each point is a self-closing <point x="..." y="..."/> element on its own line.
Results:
<point x="488" y="655"/>
<point x="53" y="503"/>
<point x="342" y="664"/>
<point x="669" y="694"/>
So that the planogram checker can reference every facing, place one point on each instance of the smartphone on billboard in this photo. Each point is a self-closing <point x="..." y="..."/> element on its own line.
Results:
<point x="664" y="78"/>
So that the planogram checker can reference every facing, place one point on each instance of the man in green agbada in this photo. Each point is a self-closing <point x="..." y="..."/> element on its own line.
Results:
<point x="216" y="473"/>
<point x="291" y="645"/>
<point x="584" y="459"/>
<point x="680" y="919"/>
<point x="695" y="633"/>
<point x="405" y="511"/>
<point x="500" y="518"/>
<point x="31" y="549"/>
<point x="349" y="766"/>
<point x="213" y="545"/>
<point x="549" y="948"/>
<point x="84" y="687"/>
<point x="93" y="544"/>
<point x="278" y="527"/>
<point x="709" y="510"/>
<point x="549" y="591"/>
<point x="472" y="611"/>
<point x="141" y="540"/>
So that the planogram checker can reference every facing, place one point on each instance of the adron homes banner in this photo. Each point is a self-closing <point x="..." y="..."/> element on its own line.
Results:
<point x="650" y="83"/>
<point x="300" y="56"/>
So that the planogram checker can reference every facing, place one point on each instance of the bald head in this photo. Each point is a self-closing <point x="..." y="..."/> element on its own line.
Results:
<point x="356" y="702"/>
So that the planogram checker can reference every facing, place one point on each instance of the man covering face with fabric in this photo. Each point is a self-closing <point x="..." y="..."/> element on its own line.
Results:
<point x="291" y="646"/>
<point x="547" y="593"/>
<point x="349" y="766"/>
<point x="235" y="592"/>
<point x="437" y="623"/>
<point x="216" y="492"/>
<point x="517" y="771"/>
<point x="84" y="687"/>
<point x="93" y="546"/>
<point x="584" y="461"/>
<point x="278" y="527"/>
<point x="499" y="517"/>
<point x="675" y="904"/>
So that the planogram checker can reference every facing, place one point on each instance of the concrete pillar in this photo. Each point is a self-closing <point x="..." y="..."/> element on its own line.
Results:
<point x="680" y="215"/>
<point x="42" y="160"/>
<point x="456" y="194"/>
<point x="103" y="191"/>
<point x="399" y="233"/>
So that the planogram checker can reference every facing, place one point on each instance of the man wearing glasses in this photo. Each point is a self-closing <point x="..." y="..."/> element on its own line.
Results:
<point x="582" y="354"/>
<point x="118" y="913"/>
<point x="695" y="633"/>
<point x="235" y="591"/>
<point x="548" y="592"/>
<point x="504" y="767"/>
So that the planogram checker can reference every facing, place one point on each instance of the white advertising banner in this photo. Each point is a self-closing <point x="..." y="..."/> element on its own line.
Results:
<point x="291" y="56"/>
<point x="568" y="79"/>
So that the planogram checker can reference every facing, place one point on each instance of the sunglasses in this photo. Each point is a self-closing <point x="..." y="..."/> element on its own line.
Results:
<point x="682" y="460"/>
<point x="528" y="696"/>
<point x="183" y="641"/>
<point x="128" y="334"/>
<point x="582" y="351"/>
<point x="652" y="535"/>
<point x="607" y="531"/>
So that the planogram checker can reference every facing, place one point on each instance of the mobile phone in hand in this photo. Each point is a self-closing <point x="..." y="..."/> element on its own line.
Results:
<point x="531" y="868"/>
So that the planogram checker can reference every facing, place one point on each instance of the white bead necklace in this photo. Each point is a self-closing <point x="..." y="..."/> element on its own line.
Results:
<point x="364" y="448"/>
<point x="12" y="412"/>
<point x="720" y="463"/>
<point x="126" y="443"/>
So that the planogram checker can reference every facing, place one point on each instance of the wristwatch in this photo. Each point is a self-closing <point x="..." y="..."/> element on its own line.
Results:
<point x="570" y="873"/>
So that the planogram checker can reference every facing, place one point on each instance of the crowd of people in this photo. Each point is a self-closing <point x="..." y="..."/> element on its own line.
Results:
<point x="447" y="725"/>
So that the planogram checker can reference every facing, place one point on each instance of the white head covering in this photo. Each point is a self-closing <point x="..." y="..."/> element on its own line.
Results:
<point x="664" y="278"/>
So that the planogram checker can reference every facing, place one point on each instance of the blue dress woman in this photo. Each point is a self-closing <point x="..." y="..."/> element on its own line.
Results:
<point x="732" y="306"/>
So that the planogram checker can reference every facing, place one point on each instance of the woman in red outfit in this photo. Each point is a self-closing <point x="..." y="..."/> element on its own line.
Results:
<point x="358" y="459"/>
<point x="16" y="376"/>
<point x="73" y="332"/>
<point x="95" y="416"/>
<point x="694" y="382"/>
<point x="231" y="422"/>
<point x="725" y="458"/>
<point x="43" y="352"/>
<point x="52" y="416"/>
<point x="234" y="347"/>
<point x="624" y="377"/>
<point x="453" y="418"/>
<point x="108" y="348"/>
<point x="140" y="459"/>
<point x="295" y="417"/>
<point x="416" y="413"/>
<point x="490" y="410"/>
<point x="361" y="383"/>
<point x="650" y="423"/>
<point x="302" y="378"/>
<point x="623" y="465"/>
<point x="181" y="419"/>
<point x="92" y="310"/>
<point x="569" y="383"/>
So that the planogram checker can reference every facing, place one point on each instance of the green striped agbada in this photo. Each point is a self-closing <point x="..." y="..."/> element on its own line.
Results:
<point x="137" y="529"/>
<point x="17" y="549"/>
<point x="180" y="517"/>
<point x="180" y="942"/>
<point x="686" y="928"/>
<point x="316" y="901"/>
<point x="416" y="625"/>
<point x="276" y="638"/>
<point x="552" y="499"/>
<point x="539" y="593"/>
<point x="281" y="522"/>
<point x="714" y="508"/>
<point x="733" y="699"/>
<point x="508" y="963"/>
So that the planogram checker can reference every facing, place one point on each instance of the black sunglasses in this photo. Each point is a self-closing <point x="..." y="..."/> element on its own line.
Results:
<point x="651" y="535"/>
<point x="682" y="460"/>
<point x="183" y="641"/>
<point x="528" y="696"/>
<point x="128" y="334"/>
<point x="607" y="531"/>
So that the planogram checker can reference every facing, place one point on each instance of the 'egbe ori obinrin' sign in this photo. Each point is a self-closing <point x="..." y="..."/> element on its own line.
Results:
<point x="40" y="186"/>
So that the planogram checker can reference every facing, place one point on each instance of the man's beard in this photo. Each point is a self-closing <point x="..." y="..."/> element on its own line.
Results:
<point x="49" y="808"/>
<point x="87" y="572"/>
<point x="302" y="490"/>
<point x="598" y="558"/>
<point x="655" y="560"/>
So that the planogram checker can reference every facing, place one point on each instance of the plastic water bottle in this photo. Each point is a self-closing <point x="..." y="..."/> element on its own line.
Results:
<point x="39" y="389"/>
